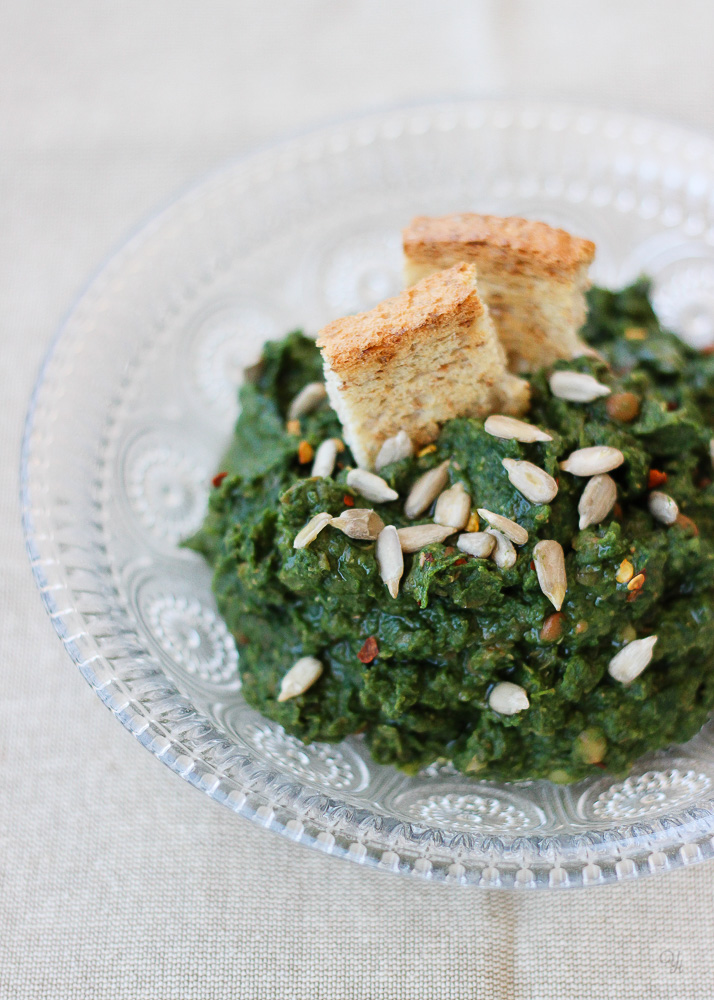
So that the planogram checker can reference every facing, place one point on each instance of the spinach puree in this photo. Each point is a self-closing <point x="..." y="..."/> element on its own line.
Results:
<point x="459" y="624"/>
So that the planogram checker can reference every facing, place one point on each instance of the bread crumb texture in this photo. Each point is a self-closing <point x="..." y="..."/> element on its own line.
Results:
<point x="532" y="277"/>
<point x="416" y="361"/>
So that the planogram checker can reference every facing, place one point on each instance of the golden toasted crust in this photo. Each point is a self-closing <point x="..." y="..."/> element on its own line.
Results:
<point x="531" y="276"/>
<point x="517" y="244"/>
<point x="390" y="326"/>
<point x="415" y="361"/>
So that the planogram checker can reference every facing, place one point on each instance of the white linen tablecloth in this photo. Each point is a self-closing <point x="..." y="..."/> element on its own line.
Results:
<point x="117" y="880"/>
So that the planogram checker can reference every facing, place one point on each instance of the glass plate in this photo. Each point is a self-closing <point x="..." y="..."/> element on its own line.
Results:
<point x="136" y="402"/>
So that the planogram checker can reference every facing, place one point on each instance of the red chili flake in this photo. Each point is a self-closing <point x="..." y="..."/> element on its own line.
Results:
<point x="655" y="478"/>
<point x="617" y="512"/>
<point x="369" y="651"/>
<point x="672" y="406"/>
<point x="633" y="595"/>
<point x="429" y="557"/>
<point x="449" y="550"/>
<point x="703" y="483"/>
<point x="348" y="501"/>
<point x="707" y="350"/>
<point x="599" y="763"/>
<point x="532" y="565"/>
<point x="218" y="479"/>
<point x="460" y="562"/>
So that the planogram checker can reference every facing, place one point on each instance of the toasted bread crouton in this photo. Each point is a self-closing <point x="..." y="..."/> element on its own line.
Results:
<point x="415" y="361"/>
<point x="531" y="276"/>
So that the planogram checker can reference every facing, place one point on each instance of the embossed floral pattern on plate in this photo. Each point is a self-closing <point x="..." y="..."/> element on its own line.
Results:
<point x="135" y="405"/>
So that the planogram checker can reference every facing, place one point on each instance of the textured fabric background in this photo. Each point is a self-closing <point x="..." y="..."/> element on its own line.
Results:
<point x="117" y="880"/>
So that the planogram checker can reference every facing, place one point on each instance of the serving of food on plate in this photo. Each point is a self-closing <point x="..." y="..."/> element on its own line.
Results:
<point x="475" y="523"/>
<point x="441" y="601"/>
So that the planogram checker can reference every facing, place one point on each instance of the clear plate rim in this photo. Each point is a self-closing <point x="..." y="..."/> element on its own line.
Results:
<point x="137" y="236"/>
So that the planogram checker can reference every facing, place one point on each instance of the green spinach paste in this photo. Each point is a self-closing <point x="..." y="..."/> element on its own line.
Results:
<point x="459" y="624"/>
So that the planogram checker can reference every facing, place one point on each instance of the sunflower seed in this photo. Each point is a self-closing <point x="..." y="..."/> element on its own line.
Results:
<point x="576" y="387"/>
<point x="477" y="543"/>
<point x="508" y="699"/>
<point x="662" y="507"/>
<point x="311" y="530"/>
<point x="390" y="558"/>
<point x="371" y="487"/>
<point x="306" y="400"/>
<point x="514" y="430"/>
<point x="597" y="500"/>
<point x="510" y="528"/>
<point x="426" y="489"/>
<point x="394" y="449"/>
<point x="417" y="536"/>
<point x="325" y="458"/>
<point x="549" y="560"/>
<point x="359" y="522"/>
<point x="504" y="555"/>
<point x="593" y="461"/>
<point x="453" y="507"/>
<point x="534" y="483"/>
<point x="302" y="675"/>
<point x="632" y="659"/>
